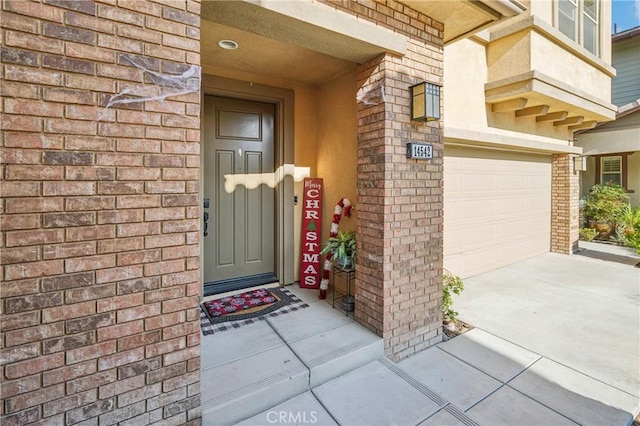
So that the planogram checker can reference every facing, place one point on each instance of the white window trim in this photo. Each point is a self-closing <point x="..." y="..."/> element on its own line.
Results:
<point x="603" y="173"/>
<point x="579" y="23"/>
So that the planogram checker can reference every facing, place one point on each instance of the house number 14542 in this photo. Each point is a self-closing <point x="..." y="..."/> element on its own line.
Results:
<point x="420" y="151"/>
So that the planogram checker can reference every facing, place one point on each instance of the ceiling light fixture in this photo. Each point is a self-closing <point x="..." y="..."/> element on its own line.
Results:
<point x="228" y="44"/>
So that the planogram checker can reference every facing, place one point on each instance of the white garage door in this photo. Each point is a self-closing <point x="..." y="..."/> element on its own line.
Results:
<point x="497" y="208"/>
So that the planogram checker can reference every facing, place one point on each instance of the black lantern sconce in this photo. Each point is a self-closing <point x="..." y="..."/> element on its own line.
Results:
<point x="425" y="102"/>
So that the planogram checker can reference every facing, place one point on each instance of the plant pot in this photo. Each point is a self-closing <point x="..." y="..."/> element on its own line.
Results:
<point x="348" y="303"/>
<point x="345" y="263"/>
<point x="604" y="228"/>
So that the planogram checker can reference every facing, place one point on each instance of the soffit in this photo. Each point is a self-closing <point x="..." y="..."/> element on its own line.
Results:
<point x="463" y="18"/>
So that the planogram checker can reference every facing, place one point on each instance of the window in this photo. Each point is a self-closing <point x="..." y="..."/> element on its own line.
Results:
<point x="611" y="170"/>
<point x="578" y="20"/>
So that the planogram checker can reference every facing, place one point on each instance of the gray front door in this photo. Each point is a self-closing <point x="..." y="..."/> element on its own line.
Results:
<point x="239" y="243"/>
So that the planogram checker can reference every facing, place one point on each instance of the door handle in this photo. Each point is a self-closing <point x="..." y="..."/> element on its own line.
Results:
<point x="206" y="223"/>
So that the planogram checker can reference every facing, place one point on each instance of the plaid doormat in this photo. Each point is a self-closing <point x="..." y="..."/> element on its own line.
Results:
<point x="289" y="302"/>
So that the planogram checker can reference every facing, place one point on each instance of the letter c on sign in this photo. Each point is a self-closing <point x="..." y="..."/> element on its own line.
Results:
<point x="270" y="418"/>
<point x="313" y="193"/>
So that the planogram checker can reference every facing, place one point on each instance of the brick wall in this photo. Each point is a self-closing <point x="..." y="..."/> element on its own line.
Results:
<point x="400" y="219"/>
<point x="100" y="214"/>
<point x="565" y="215"/>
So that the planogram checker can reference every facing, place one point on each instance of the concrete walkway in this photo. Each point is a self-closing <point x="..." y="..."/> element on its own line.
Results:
<point x="542" y="353"/>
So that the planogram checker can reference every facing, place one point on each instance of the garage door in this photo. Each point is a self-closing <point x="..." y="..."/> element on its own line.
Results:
<point x="497" y="208"/>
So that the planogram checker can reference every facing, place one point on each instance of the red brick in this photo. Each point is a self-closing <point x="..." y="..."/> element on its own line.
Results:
<point x="142" y="146"/>
<point x="68" y="342"/>
<point x="98" y="350"/>
<point x="19" y="353"/>
<point x="164" y="241"/>
<point x="180" y="381"/>
<point x="23" y="254"/>
<point x="120" y="302"/>
<point x="138" y="229"/>
<point x="138" y="312"/>
<point x="121" y="386"/>
<point x="92" y="322"/>
<point x="25" y="238"/>
<point x="20" y="156"/>
<point x="18" y="288"/>
<point x="133" y="258"/>
<point x="34" y="334"/>
<point x="17" y="387"/>
<point x="120" y="15"/>
<point x="138" y="340"/>
<point x="139" y="394"/>
<point x="90" y="411"/>
<point x="85" y="82"/>
<point x="29" y="416"/>
<point x="165" y="320"/>
<point x="19" y="189"/>
<point x="64" y="404"/>
<point x="164" y="294"/>
<point x="166" y="347"/>
<point x="170" y="227"/>
<point x="118" y="159"/>
<point x="14" y="221"/>
<point x="34" y="366"/>
<point x="69" y="127"/>
<point x="88" y="143"/>
<point x="137" y="201"/>
<point x="120" y="187"/>
<point x="34" y="172"/>
<point x="90" y="203"/>
<point x="166" y="267"/>
<point x="105" y="291"/>
<point x="91" y="233"/>
<point x="120" y="358"/>
<point x="91" y="382"/>
<point x="142" y="284"/>
<point x="66" y="220"/>
<point x="68" y="312"/>
<point x="120" y="130"/>
<point x="90" y="263"/>
<point x="80" y="51"/>
<point x="165" y="187"/>
<point x="58" y="94"/>
<point x="139" y="368"/>
<point x="31" y="140"/>
<point x="131" y="328"/>
<point x="118" y="274"/>
<point x="29" y="107"/>
<point x="32" y="75"/>
<point x="120" y="216"/>
<point x="180" y="174"/>
<point x="19" y="22"/>
<point x="67" y="281"/>
<point x="64" y="374"/>
<point x="180" y="330"/>
<point x="180" y="252"/>
<point x="34" y="269"/>
<point x="88" y="112"/>
<point x="120" y="244"/>
<point x="13" y="322"/>
<point x="33" y="205"/>
<point x="138" y="174"/>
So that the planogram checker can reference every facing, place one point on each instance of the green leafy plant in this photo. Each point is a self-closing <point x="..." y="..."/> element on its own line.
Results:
<point x="628" y="226"/>
<point x="451" y="284"/>
<point x="605" y="202"/>
<point x="587" y="234"/>
<point x="342" y="248"/>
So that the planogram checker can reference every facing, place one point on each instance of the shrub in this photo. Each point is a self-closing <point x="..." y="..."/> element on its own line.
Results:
<point x="587" y="234"/>
<point x="451" y="284"/>
<point x="605" y="202"/>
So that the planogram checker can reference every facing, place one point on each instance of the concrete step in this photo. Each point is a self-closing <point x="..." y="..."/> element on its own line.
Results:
<point x="258" y="366"/>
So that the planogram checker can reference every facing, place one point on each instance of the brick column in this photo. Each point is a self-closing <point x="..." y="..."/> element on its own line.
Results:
<point x="400" y="218"/>
<point x="100" y="214"/>
<point x="565" y="194"/>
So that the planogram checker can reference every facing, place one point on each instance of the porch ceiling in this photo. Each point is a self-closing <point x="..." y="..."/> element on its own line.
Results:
<point x="265" y="56"/>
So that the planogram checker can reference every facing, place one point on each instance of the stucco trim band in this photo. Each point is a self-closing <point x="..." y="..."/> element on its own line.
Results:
<point x="455" y="136"/>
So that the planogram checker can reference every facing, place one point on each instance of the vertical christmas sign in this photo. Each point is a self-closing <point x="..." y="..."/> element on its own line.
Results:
<point x="311" y="227"/>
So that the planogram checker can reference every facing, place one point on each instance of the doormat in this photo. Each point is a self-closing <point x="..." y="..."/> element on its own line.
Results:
<point x="245" y="309"/>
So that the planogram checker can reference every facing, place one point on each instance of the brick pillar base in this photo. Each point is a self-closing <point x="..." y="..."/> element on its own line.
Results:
<point x="565" y="193"/>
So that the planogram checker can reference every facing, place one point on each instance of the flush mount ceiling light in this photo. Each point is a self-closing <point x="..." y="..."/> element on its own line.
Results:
<point x="228" y="44"/>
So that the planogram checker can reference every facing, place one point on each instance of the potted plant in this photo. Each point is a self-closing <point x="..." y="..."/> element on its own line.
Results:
<point x="604" y="205"/>
<point x="451" y="284"/>
<point x="342" y="248"/>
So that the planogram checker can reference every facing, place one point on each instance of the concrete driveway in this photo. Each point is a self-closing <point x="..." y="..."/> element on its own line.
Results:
<point x="578" y="312"/>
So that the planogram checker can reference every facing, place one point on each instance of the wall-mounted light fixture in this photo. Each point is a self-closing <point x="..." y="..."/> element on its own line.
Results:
<point x="425" y="102"/>
<point x="580" y="163"/>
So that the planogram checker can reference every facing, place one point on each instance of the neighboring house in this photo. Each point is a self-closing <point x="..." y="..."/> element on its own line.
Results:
<point x="614" y="148"/>
<point x="114" y="148"/>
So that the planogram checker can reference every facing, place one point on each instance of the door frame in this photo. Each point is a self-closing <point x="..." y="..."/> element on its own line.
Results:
<point x="283" y="100"/>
